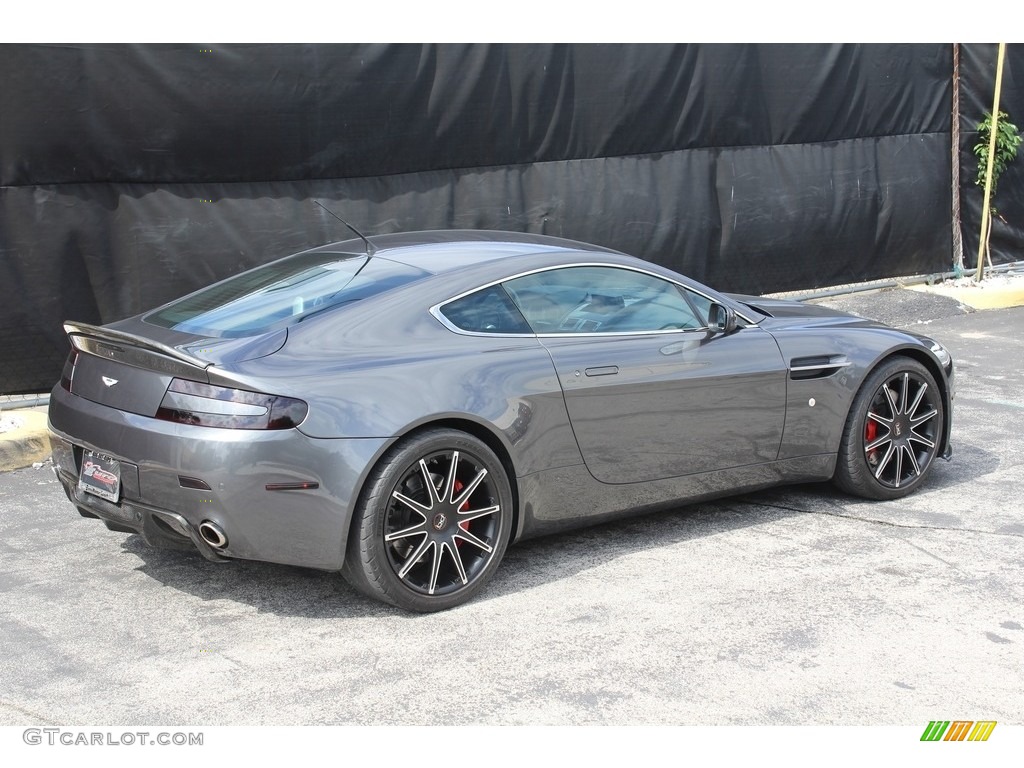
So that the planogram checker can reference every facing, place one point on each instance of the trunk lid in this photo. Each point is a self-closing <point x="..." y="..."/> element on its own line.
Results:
<point x="121" y="367"/>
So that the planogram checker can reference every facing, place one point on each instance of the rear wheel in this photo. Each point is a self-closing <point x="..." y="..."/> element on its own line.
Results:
<point x="892" y="432"/>
<point x="432" y="524"/>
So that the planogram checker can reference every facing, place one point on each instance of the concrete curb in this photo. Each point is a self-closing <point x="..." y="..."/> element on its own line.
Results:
<point x="994" y="293"/>
<point x="27" y="443"/>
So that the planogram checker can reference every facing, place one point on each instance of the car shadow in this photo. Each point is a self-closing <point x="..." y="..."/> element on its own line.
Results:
<point x="268" y="587"/>
<point x="969" y="462"/>
<point x="302" y="592"/>
<point x="293" y="591"/>
<point x="540" y="561"/>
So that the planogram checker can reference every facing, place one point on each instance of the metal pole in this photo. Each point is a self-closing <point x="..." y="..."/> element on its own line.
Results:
<point x="986" y="214"/>
<point x="958" y="240"/>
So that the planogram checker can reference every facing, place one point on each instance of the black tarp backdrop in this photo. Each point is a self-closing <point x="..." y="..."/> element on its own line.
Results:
<point x="133" y="174"/>
<point x="977" y="87"/>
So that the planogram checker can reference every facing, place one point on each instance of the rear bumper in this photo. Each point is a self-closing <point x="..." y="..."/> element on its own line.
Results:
<point x="296" y="527"/>
<point x="159" y="527"/>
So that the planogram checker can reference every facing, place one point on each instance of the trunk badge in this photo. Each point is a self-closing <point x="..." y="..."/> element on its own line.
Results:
<point x="108" y="381"/>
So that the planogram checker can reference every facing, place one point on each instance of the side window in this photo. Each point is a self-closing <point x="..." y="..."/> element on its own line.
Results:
<point x="487" y="311"/>
<point x="601" y="300"/>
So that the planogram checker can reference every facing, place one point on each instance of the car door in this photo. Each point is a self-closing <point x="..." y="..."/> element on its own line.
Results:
<point x="651" y="392"/>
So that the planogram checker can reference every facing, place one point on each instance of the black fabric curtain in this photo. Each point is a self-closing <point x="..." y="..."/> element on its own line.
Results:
<point x="977" y="87"/>
<point x="132" y="174"/>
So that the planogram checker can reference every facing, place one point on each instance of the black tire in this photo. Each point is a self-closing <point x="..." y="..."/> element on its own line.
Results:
<point x="892" y="433"/>
<point x="430" y="548"/>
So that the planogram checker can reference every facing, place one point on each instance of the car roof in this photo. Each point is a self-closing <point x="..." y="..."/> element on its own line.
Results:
<point x="439" y="251"/>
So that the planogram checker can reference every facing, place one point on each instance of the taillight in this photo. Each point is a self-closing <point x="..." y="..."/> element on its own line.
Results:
<point x="68" y="374"/>
<point x="204" y="405"/>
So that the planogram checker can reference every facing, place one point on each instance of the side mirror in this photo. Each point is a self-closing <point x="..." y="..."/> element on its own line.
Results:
<point x="721" y="319"/>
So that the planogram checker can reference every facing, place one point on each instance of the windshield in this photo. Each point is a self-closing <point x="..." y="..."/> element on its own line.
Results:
<point x="282" y="293"/>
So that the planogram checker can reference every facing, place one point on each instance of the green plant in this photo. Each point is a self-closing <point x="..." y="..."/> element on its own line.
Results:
<point x="1008" y="139"/>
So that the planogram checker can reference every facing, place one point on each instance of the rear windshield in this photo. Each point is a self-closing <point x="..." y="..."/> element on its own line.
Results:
<point x="281" y="293"/>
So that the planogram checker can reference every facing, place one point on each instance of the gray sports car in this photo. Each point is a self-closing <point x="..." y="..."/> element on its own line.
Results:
<point x="402" y="408"/>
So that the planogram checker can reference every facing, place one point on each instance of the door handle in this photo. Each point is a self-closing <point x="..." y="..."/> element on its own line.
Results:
<point x="604" y="370"/>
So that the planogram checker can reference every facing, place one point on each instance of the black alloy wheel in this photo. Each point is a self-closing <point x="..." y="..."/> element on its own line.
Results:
<point x="892" y="433"/>
<point x="434" y="522"/>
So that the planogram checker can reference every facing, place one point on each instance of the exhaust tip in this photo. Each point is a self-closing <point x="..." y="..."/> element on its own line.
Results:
<point x="213" y="534"/>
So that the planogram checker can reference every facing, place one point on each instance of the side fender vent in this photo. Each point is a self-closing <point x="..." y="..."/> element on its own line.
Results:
<point x="816" y="367"/>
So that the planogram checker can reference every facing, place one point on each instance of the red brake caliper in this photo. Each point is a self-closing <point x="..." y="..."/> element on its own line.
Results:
<point x="464" y="525"/>
<point x="870" y="433"/>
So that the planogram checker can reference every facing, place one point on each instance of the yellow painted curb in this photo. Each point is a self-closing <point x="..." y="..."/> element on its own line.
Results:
<point x="26" y="444"/>
<point x="986" y="295"/>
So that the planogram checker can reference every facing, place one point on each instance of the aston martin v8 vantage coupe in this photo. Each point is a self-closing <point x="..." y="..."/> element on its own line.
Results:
<point x="402" y="408"/>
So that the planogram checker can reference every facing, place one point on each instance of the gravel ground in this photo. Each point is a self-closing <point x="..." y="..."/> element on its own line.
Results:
<point x="793" y="606"/>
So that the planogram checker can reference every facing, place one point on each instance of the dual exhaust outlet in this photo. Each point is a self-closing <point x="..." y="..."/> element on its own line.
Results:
<point x="213" y="534"/>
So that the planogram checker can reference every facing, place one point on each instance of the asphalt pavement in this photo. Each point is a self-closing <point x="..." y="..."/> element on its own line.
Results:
<point x="792" y="606"/>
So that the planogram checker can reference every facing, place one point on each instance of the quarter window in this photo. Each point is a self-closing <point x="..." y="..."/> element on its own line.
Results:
<point x="487" y="311"/>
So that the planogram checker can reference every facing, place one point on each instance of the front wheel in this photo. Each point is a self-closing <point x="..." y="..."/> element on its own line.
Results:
<point x="892" y="432"/>
<point x="432" y="524"/>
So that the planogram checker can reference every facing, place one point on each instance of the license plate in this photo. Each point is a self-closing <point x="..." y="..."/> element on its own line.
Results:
<point x="101" y="476"/>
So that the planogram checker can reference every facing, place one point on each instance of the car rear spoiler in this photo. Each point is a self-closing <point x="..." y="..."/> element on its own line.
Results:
<point x="135" y="350"/>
